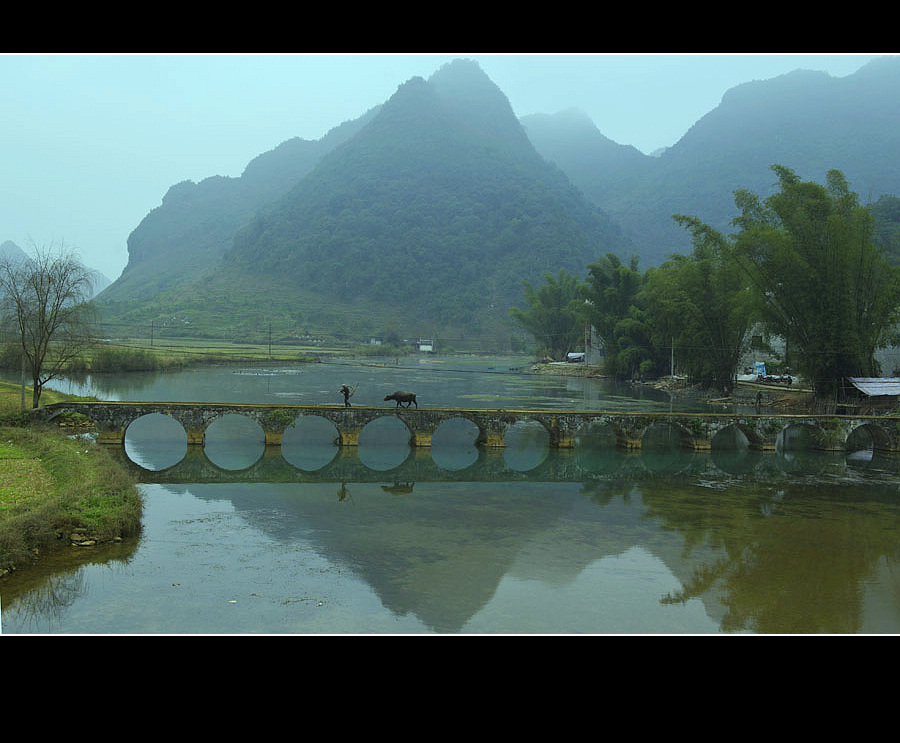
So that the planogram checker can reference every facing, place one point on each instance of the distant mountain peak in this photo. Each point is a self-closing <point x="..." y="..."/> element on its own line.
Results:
<point x="9" y="251"/>
<point x="574" y="116"/>
<point x="475" y="102"/>
<point x="464" y="75"/>
<point x="431" y="209"/>
<point x="440" y="205"/>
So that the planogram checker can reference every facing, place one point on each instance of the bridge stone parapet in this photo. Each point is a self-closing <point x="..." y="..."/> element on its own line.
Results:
<point x="697" y="431"/>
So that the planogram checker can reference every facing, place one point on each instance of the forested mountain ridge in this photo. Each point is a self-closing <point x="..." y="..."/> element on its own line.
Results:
<point x="439" y="207"/>
<point x="185" y="238"/>
<point x="807" y="121"/>
<point x="428" y="212"/>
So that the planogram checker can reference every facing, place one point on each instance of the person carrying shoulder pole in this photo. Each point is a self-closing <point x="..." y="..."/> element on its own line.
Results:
<point x="347" y="393"/>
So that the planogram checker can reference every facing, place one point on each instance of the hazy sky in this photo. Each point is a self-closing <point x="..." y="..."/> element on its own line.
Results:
<point x="89" y="144"/>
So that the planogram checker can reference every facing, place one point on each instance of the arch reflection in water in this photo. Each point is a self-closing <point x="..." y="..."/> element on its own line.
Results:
<point x="736" y="461"/>
<point x="871" y="460"/>
<point x="453" y="445"/>
<point x="662" y="448"/>
<point x="596" y="449"/>
<point x="310" y="444"/>
<point x="796" y="449"/>
<point x="527" y="446"/>
<point x="155" y="442"/>
<point x="384" y="444"/>
<point x="234" y="442"/>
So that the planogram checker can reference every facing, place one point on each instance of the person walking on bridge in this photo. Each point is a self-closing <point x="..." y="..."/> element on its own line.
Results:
<point x="347" y="393"/>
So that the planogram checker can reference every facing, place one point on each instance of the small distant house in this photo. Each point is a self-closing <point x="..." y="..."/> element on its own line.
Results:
<point x="878" y="392"/>
<point x="425" y="345"/>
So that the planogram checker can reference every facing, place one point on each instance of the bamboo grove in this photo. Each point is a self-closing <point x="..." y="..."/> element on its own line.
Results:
<point x="804" y="266"/>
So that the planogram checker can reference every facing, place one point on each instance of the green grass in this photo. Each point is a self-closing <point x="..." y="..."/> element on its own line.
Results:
<point x="53" y="485"/>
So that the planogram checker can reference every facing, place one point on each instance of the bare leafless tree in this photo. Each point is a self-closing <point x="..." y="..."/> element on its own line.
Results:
<point x="45" y="299"/>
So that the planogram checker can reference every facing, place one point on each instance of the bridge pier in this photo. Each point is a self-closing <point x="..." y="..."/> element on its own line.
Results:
<point x="491" y="438"/>
<point x="348" y="437"/>
<point x="114" y="436"/>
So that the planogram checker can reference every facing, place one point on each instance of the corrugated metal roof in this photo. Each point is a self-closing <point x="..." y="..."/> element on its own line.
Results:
<point x="876" y="386"/>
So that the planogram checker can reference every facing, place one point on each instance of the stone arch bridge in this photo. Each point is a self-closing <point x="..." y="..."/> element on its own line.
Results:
<point x="697" y="431"/>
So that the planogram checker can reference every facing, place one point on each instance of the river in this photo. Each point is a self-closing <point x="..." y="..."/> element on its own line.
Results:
<point x="514" y="541"/>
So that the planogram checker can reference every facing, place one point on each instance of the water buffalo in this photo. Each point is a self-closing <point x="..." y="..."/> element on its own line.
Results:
<point x="407" y="397"/>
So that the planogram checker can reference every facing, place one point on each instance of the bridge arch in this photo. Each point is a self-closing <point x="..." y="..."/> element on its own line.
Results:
<point x="453" y="443"/>
<point x="527" y="444"/>
<point x="869" y="436"/>
<point x="233" y="441"/>
<point x="385" y="430"/>
<point x="528" y="432"/>
<point x="798" y="436"/>
<point x="456" y="431"/>
<point x="156" y="441"/>
<point x="666" y="434"/>
<point x="384" y="443"/>
<point x="310" y="442"/>
<point x="600" y="434"/>
<point x="736" y="436"/>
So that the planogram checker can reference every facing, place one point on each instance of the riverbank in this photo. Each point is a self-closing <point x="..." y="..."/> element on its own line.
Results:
<point x="771" y="396"/>
<point x="564" y="369"/>
<point x="57" y="490"/>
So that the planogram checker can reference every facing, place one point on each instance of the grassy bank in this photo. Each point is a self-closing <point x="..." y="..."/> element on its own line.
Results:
<point x="135" y="355"/>
<point x="56" y="489"/>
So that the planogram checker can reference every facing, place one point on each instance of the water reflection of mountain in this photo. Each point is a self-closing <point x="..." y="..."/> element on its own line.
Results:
<point x="440" y="552"/>
<point x="437" y="546"/>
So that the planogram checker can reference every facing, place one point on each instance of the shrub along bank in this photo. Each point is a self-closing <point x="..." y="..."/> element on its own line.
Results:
<point x="56" y="488"/>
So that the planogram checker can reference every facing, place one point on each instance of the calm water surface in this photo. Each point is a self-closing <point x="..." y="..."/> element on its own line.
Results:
<point x="384" y="539"/>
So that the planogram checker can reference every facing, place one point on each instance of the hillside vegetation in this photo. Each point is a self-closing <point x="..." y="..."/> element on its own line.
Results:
<point x="434" y="211"/>
<point x="425" y="216"/>
<point x="805" y="120"/>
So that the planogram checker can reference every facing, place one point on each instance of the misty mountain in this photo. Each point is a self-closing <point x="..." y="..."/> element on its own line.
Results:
<point x="12" y="252"/>
<point x="808" y="121"/>
<point x="424" y="215"/>
<point x="440" y="207"/>
<point x="9" y="251"/>
<point x="601" y="168"/>
<point x="100" y="282"/>
<point x="427" y="213"/>
<point x="184" y="239"/>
